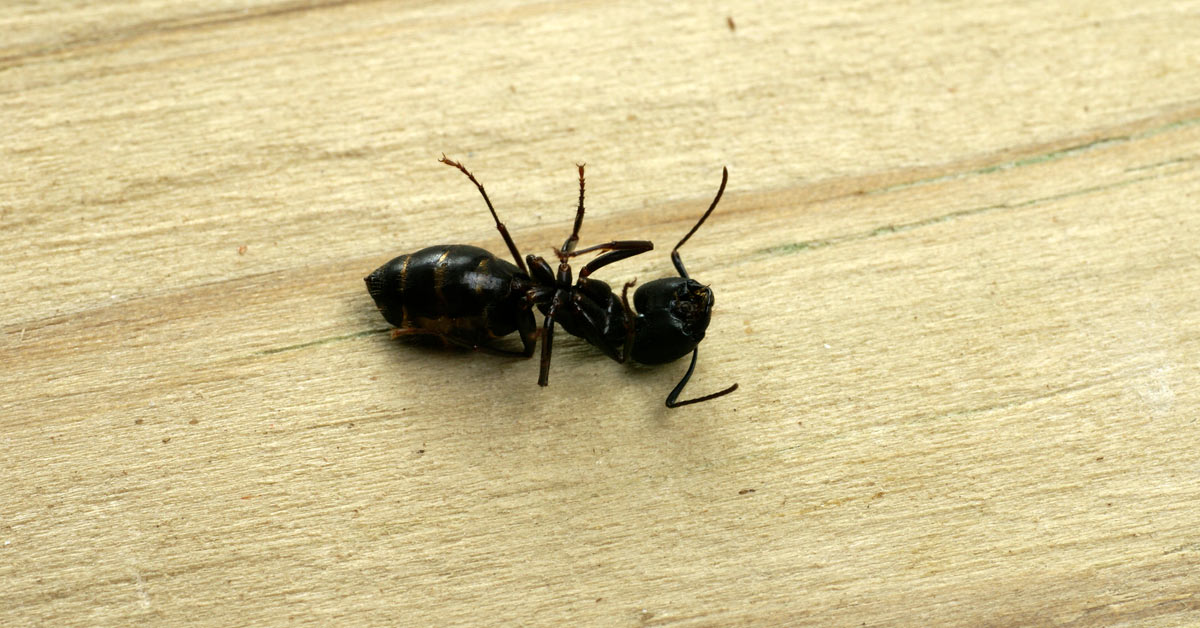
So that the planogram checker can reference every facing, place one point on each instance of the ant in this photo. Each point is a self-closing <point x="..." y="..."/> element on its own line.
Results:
<point x="672" y="316"/>
<point x="468" y="297"/>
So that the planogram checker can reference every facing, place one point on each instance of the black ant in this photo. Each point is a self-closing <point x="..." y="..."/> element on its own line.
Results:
<point x="468" y="297"/>
<point x="672" y="316"/>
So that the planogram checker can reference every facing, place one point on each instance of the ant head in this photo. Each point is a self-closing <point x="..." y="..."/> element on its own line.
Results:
<point x="673" y="315"/>
<point x="673" y="312"/>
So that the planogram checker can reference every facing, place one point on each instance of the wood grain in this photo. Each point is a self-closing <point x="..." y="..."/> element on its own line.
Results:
<point x="956" y="273"/>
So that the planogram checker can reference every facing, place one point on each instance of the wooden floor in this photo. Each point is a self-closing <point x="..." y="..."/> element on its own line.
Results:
<point x="957" y="271"/>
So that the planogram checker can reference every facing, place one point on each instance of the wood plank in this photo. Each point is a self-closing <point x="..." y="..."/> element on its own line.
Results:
<point x="956" y="272"/>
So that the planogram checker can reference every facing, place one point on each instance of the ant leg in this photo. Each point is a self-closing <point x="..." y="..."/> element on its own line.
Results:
<point x="630" y="322"/>
<point x="512" y="247"/>
<point x="616" y="245"/>
<point x="459" y="342"/>
<point x="507" y="353"/>
<point x="569" y="245"/>
<point x="671" y="403"/>
<point x="617" y="251"/>
<point x="527" y="328"/>
<point x="675" y="251"/>
<point x="414" y="331"/>
<point x="547" y="343"/>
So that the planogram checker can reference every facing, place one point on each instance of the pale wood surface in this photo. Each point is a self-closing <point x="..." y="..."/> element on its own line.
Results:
<point x="956" y="269"/>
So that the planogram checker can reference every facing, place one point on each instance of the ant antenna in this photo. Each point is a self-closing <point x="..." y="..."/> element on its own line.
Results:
<point x="675" y="259"/>
<point x="671" y="403"/>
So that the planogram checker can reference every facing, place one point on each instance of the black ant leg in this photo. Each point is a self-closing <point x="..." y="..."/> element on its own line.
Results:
<point x="610" y="246"/>
<point x="448" y="339"/>
<point x="527" y="328"/>
<point x="683" y="382"/>
<point x="512" y="247"/>
<point x="617" y="251"/>
<point x="629" y="322"/>
<point x="547" y="343"/>
<point x="675" y="251"/>
<point x="569" y="245"/>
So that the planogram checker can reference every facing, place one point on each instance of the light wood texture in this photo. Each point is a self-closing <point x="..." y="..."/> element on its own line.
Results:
<point x="956" y="268"/>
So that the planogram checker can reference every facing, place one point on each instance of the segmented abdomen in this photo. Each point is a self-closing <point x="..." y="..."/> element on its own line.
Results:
<point x="456" y="289"/>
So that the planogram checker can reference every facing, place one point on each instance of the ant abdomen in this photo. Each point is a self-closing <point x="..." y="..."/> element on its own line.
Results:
<point x="461" y="292"/>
